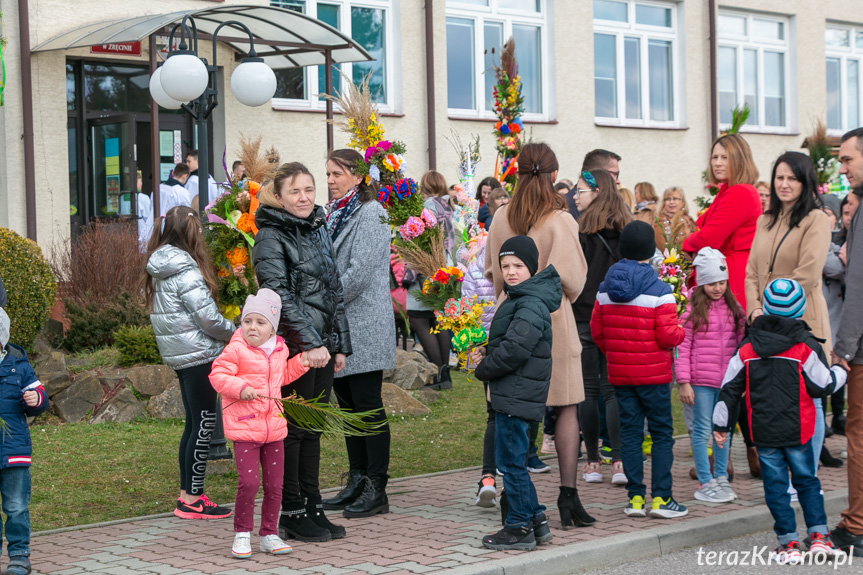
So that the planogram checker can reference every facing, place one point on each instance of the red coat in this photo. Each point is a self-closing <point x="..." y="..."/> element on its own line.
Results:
<point x="729" y="226"/>
<point x="634" y="323"/>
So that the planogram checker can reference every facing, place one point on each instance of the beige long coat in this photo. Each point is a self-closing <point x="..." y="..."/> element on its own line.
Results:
<point x="801" y="257"/>
<point x="556" y="239"/>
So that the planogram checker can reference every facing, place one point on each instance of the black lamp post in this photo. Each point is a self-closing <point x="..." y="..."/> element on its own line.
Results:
<point x="187" y="81"/>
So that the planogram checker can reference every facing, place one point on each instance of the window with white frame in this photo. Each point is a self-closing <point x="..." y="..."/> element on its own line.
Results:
<point x="368" y="22"/>
<point x="844" y="50"/>
<point x="475" y="33"/>
<point x="752" y="67"/>
<point x="636" y="73"/>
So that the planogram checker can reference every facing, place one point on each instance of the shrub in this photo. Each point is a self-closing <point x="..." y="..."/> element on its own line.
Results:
<point x="137" y="345"/>
<point x="30" y="286"/>
<point x="102" y="261"/>
<point x="92" y="324"/>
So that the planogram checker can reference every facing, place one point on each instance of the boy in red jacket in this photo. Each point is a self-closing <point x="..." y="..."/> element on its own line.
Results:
<point x="635" y="325"/>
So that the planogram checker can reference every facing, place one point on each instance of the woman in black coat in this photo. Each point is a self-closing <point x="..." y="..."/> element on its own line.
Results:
<point x="294" y="257"/>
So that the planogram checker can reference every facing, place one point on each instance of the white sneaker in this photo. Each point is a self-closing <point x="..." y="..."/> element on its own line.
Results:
<point x="723" y="483"/>
<point x="618" y="477"/>
<point x="273" y="545"/>
<point x="242" y="548"/>
<point x="592" y="472"/>
<point x="711" y="492"/>
<point x="485" y="496"/>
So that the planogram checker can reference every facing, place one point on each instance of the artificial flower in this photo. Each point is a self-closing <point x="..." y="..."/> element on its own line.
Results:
<point x="231" y="311"/>
<point x="238" y="256"/>
<point x="412" y="228"/>
<point x="245" y="222"/>
<point x="428" y="217"/>
<point x="375" y="172"/>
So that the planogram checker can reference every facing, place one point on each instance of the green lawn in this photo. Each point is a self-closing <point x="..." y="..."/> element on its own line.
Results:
<point x="89" y="473"/>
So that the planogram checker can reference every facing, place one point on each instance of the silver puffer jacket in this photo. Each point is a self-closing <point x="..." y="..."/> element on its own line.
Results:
<point x="189" y="329"/>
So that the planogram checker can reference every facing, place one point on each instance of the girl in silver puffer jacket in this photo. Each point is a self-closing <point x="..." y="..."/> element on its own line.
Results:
<point x="190" y="333"/>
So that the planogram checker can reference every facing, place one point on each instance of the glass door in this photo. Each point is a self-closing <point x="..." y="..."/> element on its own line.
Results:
<point x="113" y="162"/>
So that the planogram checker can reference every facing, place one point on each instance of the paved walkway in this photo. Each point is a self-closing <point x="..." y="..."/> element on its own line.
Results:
<point x="433" y="526"/>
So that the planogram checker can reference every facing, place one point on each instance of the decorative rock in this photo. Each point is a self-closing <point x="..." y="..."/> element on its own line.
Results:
<point x="55" y="362"/>
<point x="74" y="403"/>
<point x="427" y="395"/>
<point x="152" y="380"/>
<point x="399" y="402"/>
<point x="111" y="378"/>
<point x="167" y="405"/>
<point x="412" y="370"/>
<point x="122" y="408"/>
<point x="54" y="383"/>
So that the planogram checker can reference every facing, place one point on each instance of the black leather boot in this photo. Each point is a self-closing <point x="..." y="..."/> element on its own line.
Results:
<point x="571" y="510"/>
<point x="315" y="511"/>
<point x="442" y="379"/>
<point x="349" y="493"/>
<point x="295" y="523"/>
<point x="372" y="501"/>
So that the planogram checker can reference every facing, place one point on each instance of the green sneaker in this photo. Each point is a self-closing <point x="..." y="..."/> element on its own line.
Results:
<point x="605" y="455"/>
<point x="647" y="445"/>
<point x="667" y="508"/>
<point x="635" y="507"/>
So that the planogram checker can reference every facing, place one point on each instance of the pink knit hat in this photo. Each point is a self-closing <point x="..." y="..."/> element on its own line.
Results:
<point x="267" y="303"/>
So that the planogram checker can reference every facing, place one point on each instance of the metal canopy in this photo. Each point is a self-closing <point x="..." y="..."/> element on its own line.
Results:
<point x="284" y="38"/>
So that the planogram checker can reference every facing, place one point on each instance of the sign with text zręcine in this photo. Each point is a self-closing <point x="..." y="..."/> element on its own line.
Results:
<point x="128" y="48"/>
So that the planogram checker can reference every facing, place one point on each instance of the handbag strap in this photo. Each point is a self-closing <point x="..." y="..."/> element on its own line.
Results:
<point x="608" y="247"/>
<point x="775" y="252"/>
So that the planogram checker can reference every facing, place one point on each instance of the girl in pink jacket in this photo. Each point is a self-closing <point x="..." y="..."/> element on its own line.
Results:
<point x="250" y="372"/>
<point x="713" y="324"/>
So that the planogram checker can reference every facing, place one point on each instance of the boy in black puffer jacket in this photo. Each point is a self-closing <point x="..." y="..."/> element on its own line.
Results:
<point x="518" y="368"/>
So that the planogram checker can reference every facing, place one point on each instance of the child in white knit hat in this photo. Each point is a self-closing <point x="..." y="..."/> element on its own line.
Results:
<point x="714" y="325"/>
<point x="249" y="375"/>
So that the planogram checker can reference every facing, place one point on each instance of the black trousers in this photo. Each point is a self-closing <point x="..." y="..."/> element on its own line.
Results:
<point x="303" y="448"/>
<point x="362" y="392"/>
<point x="199" y="401"/>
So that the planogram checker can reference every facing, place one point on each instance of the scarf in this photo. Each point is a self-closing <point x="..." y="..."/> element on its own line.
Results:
<point x="340" y="211"/>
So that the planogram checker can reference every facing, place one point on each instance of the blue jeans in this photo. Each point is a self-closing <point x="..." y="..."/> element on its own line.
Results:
<point x="15" y="498"/>
<point x="818" y="436"/>
<point x="775" y="464"/>
<point x="510" y="451"/>
<point x="637" y="403"/>
<point x="702" y="434"/>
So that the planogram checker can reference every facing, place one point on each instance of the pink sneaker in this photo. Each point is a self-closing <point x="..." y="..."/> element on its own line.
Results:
<point x="548" y="445"/>
<point x="592" y="472"/>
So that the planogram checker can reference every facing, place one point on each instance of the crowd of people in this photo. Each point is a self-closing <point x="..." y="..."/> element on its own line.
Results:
<point x="581" y="336"/>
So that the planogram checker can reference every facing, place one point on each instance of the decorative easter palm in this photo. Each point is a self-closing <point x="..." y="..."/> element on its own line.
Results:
<point x="508" y="105"/>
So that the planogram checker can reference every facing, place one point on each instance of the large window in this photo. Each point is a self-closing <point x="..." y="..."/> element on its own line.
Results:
<point x="753" y="68"/>
<point x="475" y="33"/>
<point x="844" y="49"/>
<point x="636" y="73"/>
<point x="370" y="24"/>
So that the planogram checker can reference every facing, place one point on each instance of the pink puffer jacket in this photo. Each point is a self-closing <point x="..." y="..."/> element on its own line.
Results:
<point x="703" y="356"/>
<point x="241" y="365"/>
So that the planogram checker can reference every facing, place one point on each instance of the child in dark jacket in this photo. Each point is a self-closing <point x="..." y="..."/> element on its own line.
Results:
<point x="517" y="365"/>
<point x="634" y="323"/>
<point x="21" y="396"/>
<point x="779" y="368"/>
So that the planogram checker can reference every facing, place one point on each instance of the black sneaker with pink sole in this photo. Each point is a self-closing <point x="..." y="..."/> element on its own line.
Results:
<point x="201" y="508"/>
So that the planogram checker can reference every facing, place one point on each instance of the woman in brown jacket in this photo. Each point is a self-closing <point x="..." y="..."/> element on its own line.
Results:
<point x="674" y="214"/>
<point x="536" y="210"/>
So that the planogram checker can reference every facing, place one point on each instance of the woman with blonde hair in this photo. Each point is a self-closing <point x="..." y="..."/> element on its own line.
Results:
<point x="730" y="222"/>
<point x="628" y="198"/>
<point x="539" y="212"/>
<point x="673" y="217"/>
<point x="645" y="202"/>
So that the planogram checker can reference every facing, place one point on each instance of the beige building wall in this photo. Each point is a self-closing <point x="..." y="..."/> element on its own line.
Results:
<point x="664" y="157"/>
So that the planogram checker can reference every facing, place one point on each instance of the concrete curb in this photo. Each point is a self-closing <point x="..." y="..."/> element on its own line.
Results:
<point x="661" y="540"/>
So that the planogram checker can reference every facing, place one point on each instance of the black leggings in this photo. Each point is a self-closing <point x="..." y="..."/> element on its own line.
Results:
<point x="199" y="401"/>
<point x="369" y="454"/>
<point x="594" y="370"/>
<point x="435" y="345"/>
<point x="302" y="447"/>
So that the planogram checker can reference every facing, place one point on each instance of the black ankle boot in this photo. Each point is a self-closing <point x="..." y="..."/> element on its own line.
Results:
<point x="827" y="459"/>
<point x="372" y="501"/>
<point x="315" y="511"/>
<point x="349" y="493"/>
<point x="295" y="523"/>
<point x="571" y="510"/>
<point x="444" y="380"/>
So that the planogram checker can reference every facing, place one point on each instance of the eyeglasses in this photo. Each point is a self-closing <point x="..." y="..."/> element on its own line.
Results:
<point x="579" y="192"/>
<point x="615" y="175"/>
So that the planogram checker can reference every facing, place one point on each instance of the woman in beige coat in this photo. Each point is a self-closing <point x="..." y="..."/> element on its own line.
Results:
<point x="793" y="238"/>
<point x="536" y="210"/>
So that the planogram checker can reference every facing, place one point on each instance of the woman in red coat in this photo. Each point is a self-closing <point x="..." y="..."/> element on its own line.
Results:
<point x="730" y="222"/>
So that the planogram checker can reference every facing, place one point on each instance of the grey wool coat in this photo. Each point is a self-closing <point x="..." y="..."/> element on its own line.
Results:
<point x="363" y="258"/>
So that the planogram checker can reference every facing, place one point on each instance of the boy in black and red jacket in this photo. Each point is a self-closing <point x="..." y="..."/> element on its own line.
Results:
<point x="778" y="369"/>
<point x="634" y="323"/>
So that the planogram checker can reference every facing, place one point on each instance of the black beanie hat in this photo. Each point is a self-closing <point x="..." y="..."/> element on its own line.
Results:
<point x="524" y="248"/>
<point x="637" y="241"/>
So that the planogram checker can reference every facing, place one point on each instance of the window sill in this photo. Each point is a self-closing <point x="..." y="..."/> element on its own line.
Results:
<point x="766" y="132"/>
<point x="335" y="112"/>
<point x="486" y="120"/>
<point x="602" y="124"/>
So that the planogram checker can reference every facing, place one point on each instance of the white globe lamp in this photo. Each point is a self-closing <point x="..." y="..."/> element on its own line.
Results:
<point x="253" y="82"/>
<point x="158" y="93"/>
<point x="184" y="76"/>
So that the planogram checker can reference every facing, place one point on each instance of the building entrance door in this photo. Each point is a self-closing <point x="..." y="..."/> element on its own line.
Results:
<point x="112" y="163"/>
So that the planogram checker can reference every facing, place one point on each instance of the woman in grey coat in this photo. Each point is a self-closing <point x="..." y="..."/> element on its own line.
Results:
<point x="362" y="243"/>
<point x="190" y="333"/>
